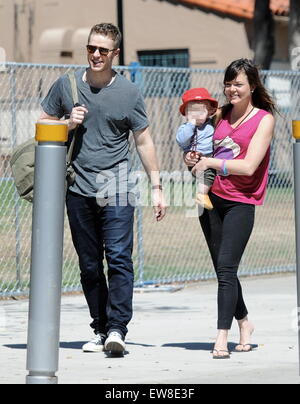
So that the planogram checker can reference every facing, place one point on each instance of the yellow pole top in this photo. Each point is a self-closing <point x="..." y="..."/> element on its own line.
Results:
<point x="51" y="132"/>
<point x="296" y="129"/>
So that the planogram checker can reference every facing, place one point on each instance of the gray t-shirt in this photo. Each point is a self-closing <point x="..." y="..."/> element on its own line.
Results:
<point x="101" y="151"/>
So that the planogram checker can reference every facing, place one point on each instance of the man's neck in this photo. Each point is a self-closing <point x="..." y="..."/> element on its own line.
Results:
<point x="99" y="80"/>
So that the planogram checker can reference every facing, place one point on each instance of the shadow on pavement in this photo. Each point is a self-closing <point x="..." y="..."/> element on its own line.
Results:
<point x="69" y="345"/>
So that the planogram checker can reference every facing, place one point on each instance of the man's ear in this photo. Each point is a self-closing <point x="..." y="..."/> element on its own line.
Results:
<point x="117" y="52"/>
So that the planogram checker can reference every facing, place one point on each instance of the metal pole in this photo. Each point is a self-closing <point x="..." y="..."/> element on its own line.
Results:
<point x="120" y="14"/>
<point x="296" y="134"/>
<point x="140" y="244"/>
<point x="46" y="253"/>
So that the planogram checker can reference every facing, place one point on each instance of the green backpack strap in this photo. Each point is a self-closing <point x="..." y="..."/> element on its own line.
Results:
<point x="75" y="98"/>
<point x="74" y="90"/>
<point x="22" y="159"/>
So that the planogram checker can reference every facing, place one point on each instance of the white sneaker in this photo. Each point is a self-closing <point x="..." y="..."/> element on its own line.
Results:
<point x="114" y="343"/>
<point x="96" y="344"/>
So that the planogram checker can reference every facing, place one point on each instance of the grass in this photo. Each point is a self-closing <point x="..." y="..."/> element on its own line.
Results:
<point x="172" y="249"/>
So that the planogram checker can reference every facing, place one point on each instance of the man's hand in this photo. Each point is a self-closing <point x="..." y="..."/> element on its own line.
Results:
<point x="77" y="116"/>
<point x="159" y="204"/>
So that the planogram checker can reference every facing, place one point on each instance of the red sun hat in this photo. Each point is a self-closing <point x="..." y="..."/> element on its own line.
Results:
<point x="196" y="94"/>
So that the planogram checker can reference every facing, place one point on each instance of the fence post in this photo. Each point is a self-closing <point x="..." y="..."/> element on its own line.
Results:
<point x="17" y="202"/>
<point x="46" y="253"/>
<point x="296" y="146"/>
<point x="140" y="241"/>
<point x="136" y="77"/>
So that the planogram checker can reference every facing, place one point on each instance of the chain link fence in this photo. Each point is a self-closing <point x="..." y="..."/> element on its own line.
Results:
<point x="173" y="250"/>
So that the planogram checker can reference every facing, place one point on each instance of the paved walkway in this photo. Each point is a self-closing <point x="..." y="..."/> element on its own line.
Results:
<point x="169" y="339"/>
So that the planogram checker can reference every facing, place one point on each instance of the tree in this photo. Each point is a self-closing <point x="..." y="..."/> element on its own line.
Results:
<point x="294" y="34"/>
<point x="264" y="40"/>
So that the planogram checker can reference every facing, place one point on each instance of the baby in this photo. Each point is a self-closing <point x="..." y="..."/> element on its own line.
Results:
<point x="196" y="134"/>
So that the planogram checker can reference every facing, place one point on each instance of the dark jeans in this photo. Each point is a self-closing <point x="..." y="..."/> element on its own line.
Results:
<point x="227" y="229"/>
<point x="97" y="230"/>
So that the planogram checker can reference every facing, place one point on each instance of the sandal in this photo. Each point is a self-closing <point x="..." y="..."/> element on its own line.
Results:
<point x="220" y="356"/>
<point x="243" y="346"/>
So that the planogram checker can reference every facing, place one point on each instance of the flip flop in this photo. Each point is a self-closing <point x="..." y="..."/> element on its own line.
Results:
<point x="243" y="350"/>
<point x="218" y="356"/>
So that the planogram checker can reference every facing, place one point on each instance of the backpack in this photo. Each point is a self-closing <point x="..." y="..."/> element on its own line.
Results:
<point x="23" y="157"/>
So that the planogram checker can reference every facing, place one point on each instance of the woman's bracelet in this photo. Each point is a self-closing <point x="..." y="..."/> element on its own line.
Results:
<point x="224" y="170"/>
<point x="157" y="187"/>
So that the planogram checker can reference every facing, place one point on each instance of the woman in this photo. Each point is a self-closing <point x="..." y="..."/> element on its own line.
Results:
<point x="241" y="158"/>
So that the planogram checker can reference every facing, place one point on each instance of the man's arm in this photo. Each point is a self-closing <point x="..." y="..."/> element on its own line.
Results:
<point x="146" y="150"/>
<point x="76" y="117"/>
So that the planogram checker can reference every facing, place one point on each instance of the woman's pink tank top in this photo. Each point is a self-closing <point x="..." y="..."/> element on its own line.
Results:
<point x="230" y="144"/>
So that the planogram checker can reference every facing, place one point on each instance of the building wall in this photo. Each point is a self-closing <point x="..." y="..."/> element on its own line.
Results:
<point x="63" y="26"/>
<point x="213" y="41"/>
<point x="281" y="56"/>
<point x="55" y="31"/>
<point x="7" y="28"/>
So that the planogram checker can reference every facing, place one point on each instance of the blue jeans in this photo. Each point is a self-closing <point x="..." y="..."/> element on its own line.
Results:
<point x="97" y="230"/>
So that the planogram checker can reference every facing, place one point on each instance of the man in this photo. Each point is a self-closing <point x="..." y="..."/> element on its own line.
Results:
<point x="101" y="223"/>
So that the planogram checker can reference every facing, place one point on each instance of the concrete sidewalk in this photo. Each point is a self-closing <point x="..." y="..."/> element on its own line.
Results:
<point x="169" y="339"/>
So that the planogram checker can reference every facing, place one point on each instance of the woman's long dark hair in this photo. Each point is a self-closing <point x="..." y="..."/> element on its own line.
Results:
<point x="260" y="97"/>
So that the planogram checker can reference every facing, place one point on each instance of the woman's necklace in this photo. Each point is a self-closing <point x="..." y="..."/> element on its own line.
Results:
<point x="194" y="138"/>
<point x="239" y="124"/>
<point x="218" y="143"/>
<point x="234" y="129"/>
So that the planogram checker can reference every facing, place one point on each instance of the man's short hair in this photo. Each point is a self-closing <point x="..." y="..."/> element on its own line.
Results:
<point x="107" y="29"/>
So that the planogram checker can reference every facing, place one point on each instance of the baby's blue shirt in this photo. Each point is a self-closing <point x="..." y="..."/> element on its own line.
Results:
<point x="204" y="139"/>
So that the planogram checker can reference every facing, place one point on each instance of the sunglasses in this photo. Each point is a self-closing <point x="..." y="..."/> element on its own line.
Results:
<point x="103" y="51"/>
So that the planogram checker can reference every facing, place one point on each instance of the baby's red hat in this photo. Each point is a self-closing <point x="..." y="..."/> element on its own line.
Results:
<point x="196" y="94"/>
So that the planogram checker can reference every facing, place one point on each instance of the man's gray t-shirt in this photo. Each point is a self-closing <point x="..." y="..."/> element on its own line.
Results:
<point x="102" y="146"/>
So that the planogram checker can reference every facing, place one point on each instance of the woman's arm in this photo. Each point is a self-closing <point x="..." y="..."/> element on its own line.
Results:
<point x="256" y="151"/>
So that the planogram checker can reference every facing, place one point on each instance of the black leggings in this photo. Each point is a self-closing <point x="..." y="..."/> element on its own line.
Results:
<point x="227" y="229"/>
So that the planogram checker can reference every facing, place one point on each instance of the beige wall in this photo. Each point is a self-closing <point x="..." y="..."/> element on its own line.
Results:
<point x="68" y="22"/>
<point x="6" y="27"/>
<point x="48" y="27"/>
<point x="55" y="31"/>
<point x="213" y="41"/>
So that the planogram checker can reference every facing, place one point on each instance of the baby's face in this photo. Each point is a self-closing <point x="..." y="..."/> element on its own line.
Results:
<point x="197" y="112"/>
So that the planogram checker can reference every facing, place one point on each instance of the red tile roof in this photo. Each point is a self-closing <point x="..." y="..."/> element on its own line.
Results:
<point x="239" y="8"/>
